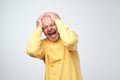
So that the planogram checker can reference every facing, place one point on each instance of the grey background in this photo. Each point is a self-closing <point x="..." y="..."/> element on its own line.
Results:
<point x="97" y="23"/>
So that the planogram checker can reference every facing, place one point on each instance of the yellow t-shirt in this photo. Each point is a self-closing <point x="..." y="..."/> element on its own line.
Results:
<point x="60" y="57"/>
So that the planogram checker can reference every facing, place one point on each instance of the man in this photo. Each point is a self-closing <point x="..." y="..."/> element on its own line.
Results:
<point x="58" y="50"/>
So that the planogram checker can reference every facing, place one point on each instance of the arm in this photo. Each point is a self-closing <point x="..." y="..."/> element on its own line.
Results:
<point x="33" y="48"/>
<point x="69" y="38"/>
<point x="35" y="43"/>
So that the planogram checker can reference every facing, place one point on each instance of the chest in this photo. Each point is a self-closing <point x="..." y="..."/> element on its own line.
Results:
<point x="55" y="52"/>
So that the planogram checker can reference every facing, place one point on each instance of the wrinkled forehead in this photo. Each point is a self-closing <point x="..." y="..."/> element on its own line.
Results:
<point x="45" y="17"/>
<point x="47" y="20"/>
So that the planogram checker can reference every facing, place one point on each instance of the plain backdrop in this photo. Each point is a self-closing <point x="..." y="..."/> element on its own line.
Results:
<point x="97" y="22"/>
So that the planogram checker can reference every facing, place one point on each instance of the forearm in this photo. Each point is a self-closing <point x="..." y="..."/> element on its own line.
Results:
<point x="69" y="38"/>
<point x="33" y="47"/>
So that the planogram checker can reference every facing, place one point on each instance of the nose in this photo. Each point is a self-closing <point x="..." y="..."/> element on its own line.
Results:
<point x="49" y="28"/>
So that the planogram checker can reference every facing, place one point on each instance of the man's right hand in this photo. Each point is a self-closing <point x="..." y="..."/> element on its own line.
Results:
<point x="38" y="22"/>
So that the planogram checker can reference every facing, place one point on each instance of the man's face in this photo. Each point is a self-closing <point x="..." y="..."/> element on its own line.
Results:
<point x="49" y="28"/>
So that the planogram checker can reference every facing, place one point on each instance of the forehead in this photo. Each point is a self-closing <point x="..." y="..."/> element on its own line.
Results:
<point x="46" y="19"/>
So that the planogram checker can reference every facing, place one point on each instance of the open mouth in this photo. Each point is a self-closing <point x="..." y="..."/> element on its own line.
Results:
<point x="53" y="35"/>
<point x="51" y="32"/>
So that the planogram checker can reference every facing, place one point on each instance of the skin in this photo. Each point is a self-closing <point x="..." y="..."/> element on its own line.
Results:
<point x="49" y="28"/>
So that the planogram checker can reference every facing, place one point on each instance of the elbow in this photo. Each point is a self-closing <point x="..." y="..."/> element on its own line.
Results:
<point x="31" y="53"/>
<point x="72" y="42"/>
